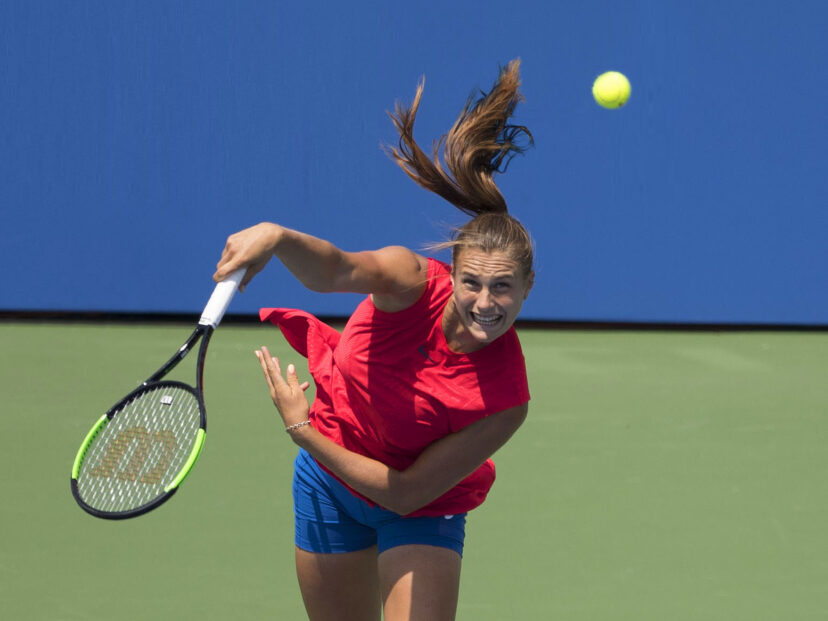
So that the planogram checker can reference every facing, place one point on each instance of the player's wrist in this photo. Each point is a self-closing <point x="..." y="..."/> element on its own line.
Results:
<point x="275" y="234"/>
<point x="297" y="426"/>
<point x="299" y="431"/>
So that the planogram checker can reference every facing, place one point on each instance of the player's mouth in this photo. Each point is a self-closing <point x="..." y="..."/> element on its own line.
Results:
<point x="486" y="321"/>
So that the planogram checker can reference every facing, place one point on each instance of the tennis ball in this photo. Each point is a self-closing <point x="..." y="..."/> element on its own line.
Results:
<point x="611" y="89"/>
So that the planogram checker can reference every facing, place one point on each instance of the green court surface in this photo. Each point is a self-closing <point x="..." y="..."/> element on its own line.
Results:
<point x="660" y="476"/>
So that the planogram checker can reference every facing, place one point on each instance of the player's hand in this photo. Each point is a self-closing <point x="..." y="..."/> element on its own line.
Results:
<point x="287" y="392"/>
<point x="251" y="248"/>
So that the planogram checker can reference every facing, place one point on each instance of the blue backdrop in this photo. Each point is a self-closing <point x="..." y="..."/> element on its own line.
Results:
<point x="137" y="135"/>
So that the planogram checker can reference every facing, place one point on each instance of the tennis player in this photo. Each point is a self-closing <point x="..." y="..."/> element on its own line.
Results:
<point x="424" y="384"/>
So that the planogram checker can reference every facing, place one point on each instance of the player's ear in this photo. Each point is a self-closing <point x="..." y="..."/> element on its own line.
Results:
<point x="530" y="282"/>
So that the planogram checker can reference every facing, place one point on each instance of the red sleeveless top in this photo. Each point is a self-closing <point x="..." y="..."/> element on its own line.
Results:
<point x="389" y="385"/>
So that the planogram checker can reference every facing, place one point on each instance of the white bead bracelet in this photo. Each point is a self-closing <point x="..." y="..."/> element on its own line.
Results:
<point x="296" y="426"/>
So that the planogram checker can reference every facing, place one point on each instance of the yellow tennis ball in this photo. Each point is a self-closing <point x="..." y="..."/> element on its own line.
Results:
<point x="611" y="89"/>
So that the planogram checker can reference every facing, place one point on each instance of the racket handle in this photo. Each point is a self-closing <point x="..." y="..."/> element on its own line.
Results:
<point x="220" y="300"/>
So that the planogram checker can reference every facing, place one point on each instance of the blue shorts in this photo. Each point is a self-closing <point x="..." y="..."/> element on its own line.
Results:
<point x="331" y="520"/>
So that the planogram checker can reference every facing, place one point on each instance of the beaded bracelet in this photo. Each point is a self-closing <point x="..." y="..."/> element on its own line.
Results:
<point x="296" y="426"/>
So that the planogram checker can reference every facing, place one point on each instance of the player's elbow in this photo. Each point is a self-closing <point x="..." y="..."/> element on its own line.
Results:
<point x="406" y="506"/>
<point x="407" y="496"/>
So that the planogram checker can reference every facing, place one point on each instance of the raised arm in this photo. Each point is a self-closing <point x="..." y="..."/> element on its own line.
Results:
<point x="439" y="468"/>
<point x="395" y="275"/>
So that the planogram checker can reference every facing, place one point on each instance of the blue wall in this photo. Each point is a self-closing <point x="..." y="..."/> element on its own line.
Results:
<point x="137" y="135"/>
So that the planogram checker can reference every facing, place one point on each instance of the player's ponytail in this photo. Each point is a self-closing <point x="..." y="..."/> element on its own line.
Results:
<point x="480" y="144"/>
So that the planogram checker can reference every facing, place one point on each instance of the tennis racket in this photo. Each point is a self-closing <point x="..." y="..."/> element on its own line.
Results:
<point x="136" y="455"/>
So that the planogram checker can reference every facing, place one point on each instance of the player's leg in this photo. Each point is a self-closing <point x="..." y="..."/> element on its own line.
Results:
<point x="336" y="555"/>
<point x="419" y="583"/>
<point x="339" y="587"/>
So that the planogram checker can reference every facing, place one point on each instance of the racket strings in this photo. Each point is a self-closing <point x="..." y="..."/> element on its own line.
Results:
<point x="140" y="450"/>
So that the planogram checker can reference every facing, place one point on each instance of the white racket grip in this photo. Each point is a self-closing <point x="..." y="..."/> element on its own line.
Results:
<point x="220" y="300"/>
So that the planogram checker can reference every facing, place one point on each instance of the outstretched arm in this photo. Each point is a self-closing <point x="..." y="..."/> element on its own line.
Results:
<point x="439" y="467"/>
<point x="394" y="275"/>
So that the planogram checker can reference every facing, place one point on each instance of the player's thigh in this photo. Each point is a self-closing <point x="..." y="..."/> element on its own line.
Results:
<point x="419" y="583"/>
<point x="339" y="587"/>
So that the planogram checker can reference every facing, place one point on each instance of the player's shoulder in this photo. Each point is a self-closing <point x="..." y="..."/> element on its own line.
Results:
<point x="407" y="274"/>
<point x="403" y="258"/>
<point x="403" y="266"/>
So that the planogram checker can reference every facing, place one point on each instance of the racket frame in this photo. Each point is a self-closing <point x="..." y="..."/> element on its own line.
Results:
<point x="203" y="332"/>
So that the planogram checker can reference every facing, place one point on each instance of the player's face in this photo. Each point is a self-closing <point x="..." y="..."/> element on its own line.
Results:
<point x="489" y="290"/>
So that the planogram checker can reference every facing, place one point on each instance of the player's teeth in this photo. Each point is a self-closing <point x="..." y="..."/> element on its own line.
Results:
<point x="486" y="321"/>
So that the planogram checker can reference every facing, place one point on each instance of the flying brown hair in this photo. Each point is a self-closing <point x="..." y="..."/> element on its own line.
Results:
<point x="480" y="144"/>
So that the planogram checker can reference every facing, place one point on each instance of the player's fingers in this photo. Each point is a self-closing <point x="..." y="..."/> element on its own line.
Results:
<point x="252" y="270"/>
<point x="222" y="267"/>
<point x="276" y="369"/>
<point x="265" y="371"/>
<point x="304" y="386"/>
<point x="274" y="374"/>
<point x="292" y="378"/>
<point x="232" y="258"/>
<point x="223" y="270"/>
<point x="273" y="369"/>
<point x="248" y="276"/>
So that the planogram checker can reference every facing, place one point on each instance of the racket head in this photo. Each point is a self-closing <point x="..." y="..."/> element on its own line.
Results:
<point x="138" y="453"/>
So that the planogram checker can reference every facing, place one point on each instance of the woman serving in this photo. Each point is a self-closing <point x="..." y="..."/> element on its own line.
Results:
<point x="424" y="384"/>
